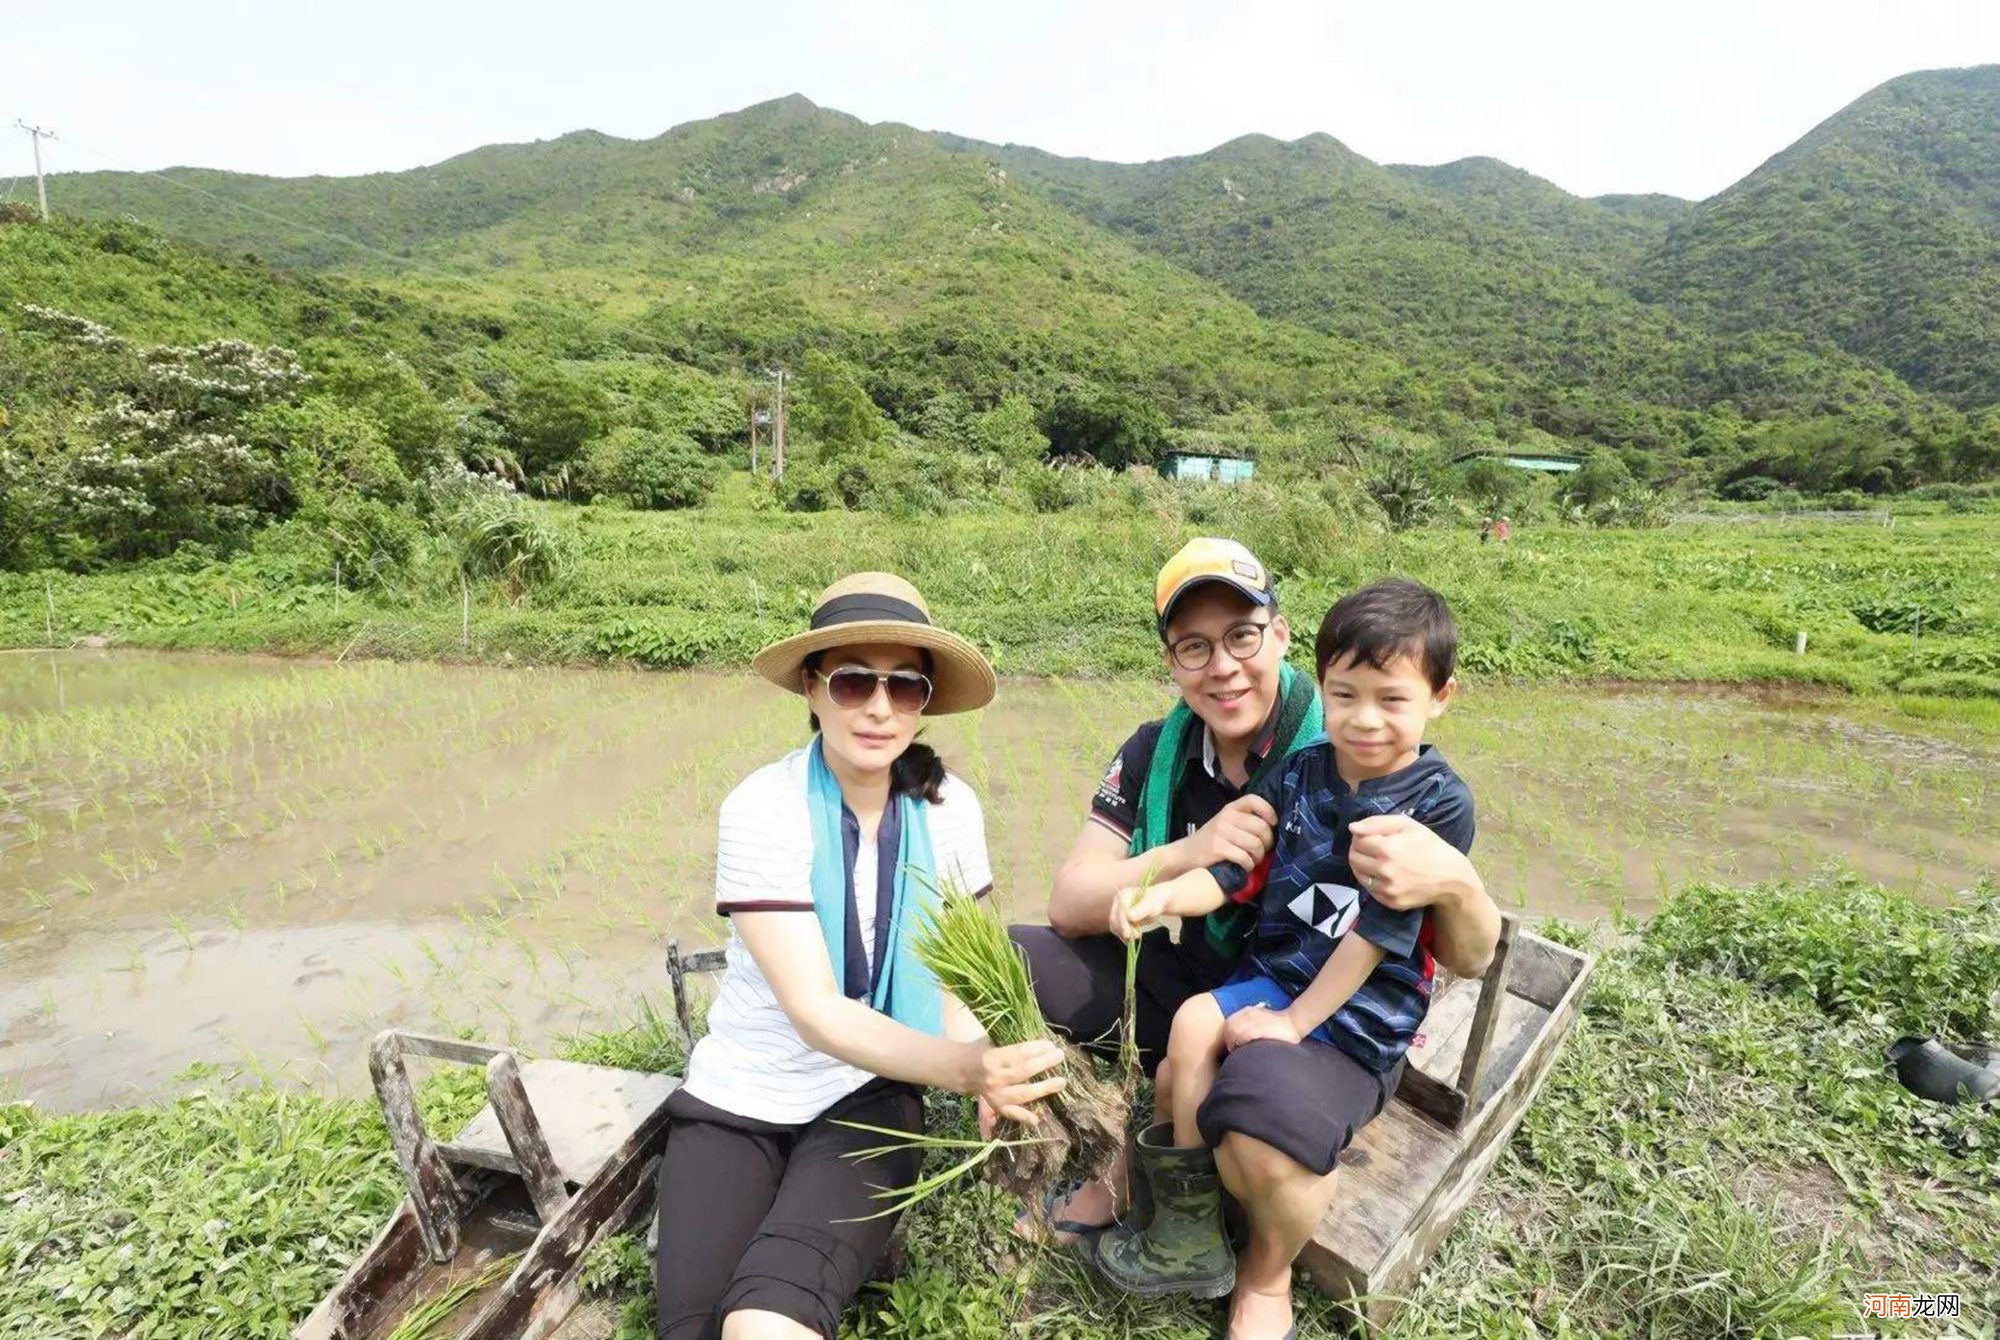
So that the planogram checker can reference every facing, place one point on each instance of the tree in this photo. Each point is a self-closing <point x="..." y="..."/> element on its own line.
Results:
<point x="1009" y="431"/>
<point x="1112" y="427"/>
<point x="833" y="408"/>
<point x="651" y="471"/>
<point x="550" y="416"/>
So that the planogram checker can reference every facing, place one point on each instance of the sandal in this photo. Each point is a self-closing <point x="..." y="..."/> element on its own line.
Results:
<point x="1080" y="1235"/>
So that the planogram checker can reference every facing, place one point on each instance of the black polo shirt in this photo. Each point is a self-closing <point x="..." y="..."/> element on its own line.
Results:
<point x="1203" y="793"/>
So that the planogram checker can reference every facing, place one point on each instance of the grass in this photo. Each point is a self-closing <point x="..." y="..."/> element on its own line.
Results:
<point x="1715" y="1153"/>
<point x="1068" y="593"/>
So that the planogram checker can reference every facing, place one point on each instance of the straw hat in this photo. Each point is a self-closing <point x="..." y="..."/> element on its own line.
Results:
<point x="882" y="607"/>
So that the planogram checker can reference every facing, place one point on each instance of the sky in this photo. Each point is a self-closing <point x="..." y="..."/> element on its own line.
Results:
<point x="1599" y="97"/>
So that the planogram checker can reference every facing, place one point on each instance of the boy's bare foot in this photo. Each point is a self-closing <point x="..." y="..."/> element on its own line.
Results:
<point x="1256" y="1315"/>
<point x="1086" y="1208"/>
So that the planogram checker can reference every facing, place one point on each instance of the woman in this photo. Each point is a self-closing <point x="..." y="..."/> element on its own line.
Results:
<point x="825" y="861"/>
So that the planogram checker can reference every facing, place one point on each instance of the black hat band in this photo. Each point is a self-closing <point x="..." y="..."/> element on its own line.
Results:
<point x="866" y="607"/>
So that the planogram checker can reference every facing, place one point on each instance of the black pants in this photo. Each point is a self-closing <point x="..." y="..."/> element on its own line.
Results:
<point x="1080" y="985"/>
<point x="763" y="1217"/>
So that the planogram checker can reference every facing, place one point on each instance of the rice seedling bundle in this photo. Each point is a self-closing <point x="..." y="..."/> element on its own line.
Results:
<point x="1082" y="1127"/>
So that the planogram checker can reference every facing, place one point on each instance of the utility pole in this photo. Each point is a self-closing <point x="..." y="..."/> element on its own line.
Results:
<point x="778" y="426"/>
<point x="752" y="399"/>
<point x="36" y="134"/>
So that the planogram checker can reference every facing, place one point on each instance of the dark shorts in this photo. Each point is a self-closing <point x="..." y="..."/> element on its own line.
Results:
<point x="1304" y="1099"/>
<point x="763" y="1217"/>
<point x="1080" y="985"/>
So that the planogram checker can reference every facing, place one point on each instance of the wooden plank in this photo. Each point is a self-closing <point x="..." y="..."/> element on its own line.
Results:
<point x="544" y="1287"/>
<point x="585" y="1111"/>
<point x="445" y="1049"/>
<point x="1479" y="1037"/>
<point x="1435" y="1098"/>
<point x="1481" y="1144"/>
<point x="381" y="1278"/>
<point x="1441" y="1041"/>
<point x="1543" y="970"/>
<point x="679" y="965"/>
<point x="509" y="1104"/>
<point x="1382" y="1176"/>
<point x="434" y="1192"/>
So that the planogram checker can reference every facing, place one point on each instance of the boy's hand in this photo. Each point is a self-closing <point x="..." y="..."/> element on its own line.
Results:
<point x="1136" y="911"/>
<point x="1255" y="1024"/>
<point x="1240" y="833"/>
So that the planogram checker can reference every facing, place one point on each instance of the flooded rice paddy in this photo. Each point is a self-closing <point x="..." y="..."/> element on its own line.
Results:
<point x="254" y="864"/>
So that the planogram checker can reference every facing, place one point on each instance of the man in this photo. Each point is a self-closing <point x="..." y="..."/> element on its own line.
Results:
<point x="1162" y="811"/>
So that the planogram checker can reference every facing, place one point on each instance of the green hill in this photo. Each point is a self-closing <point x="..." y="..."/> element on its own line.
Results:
<point x="1468" y="300"/>
<point x="1879" y="230"/>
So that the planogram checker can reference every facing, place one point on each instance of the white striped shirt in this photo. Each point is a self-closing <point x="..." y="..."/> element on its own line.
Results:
<point x="752" y="1061"/>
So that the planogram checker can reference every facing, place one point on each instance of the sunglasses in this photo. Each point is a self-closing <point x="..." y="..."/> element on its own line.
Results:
<point x="853" y="686"/>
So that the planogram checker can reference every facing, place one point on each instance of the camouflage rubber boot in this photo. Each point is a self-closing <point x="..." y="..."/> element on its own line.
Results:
<point x="1139" y="1177"/>
<point x="1182" y="1249"/>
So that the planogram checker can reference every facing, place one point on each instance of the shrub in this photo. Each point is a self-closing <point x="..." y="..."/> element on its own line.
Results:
<point x="1111" y="427"/>
<point x="1854" y="948"/>
<point x="1061" y="485"/>
<point x="371" y="540"/>
<point x="550" y="415"/>
<point x="326" y="448"/>
<point x="1408" y="480"/>
<point x="651" y="471"/>
<point x="508" y="539"/>
<point x="1951" y="684"/>
<point x="833" y="407"/>
<point x="1009" y="431"/>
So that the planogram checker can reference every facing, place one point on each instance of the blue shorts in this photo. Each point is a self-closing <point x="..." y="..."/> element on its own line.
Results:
<point x="1243" y="992"/>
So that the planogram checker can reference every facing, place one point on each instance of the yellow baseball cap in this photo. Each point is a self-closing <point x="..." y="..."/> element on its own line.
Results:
<point x="1206" y="559"/>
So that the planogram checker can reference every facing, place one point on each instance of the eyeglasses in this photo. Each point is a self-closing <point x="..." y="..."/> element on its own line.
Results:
<point x="853" y="686"/>
<point x="1242" y="641"/>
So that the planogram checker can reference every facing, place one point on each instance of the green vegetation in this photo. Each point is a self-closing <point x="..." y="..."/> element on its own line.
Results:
<point x="1714" y="1153"/>
<point x="1135" y="306"/>
<point x="1903" y="186"/>
<point x="1906" y="606"/>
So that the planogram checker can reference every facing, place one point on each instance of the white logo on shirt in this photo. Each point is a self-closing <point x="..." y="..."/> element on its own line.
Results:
<point x="1329" y="909"/>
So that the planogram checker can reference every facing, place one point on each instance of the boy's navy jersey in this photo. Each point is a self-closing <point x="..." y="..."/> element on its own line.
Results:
<point x="1309" y="897"/>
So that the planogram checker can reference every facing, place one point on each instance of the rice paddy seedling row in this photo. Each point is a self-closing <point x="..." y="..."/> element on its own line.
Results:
<point x="478" y="833"/>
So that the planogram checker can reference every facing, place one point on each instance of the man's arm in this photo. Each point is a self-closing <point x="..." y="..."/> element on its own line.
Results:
<point x="1098" y="865"/>
<point x="1404" y="865"/>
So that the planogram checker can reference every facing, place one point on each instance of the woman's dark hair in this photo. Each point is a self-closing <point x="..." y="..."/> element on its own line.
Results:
<point x="918" y="769"/>
<point x="1386" y="620"/>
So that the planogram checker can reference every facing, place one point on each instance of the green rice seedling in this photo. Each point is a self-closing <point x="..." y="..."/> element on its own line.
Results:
<point x="180" y="928"/>
<point x="1082" y="1126"/>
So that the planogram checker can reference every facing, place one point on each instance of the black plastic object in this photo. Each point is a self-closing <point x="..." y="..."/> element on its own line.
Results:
<point x="1929" y="1069"/>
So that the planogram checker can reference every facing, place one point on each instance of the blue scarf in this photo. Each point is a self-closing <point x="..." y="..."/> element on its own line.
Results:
<point x="904" y="989"/>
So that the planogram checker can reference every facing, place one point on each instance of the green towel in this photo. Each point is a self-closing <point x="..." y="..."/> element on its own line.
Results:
<point x="1300" y="718"/>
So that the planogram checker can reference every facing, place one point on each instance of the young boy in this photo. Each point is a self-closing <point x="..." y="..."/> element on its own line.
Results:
<point x="1329" y="966"/>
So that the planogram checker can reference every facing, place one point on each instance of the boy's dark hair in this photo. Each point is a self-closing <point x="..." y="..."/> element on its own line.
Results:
<point x="1386" y="620"/>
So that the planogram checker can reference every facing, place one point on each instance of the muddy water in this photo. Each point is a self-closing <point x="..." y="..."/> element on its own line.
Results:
<point x="255" y="864"/>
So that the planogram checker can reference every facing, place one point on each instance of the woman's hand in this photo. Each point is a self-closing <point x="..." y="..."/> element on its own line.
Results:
<point x="1004" y="1079"/>
<point x="1404" y="865"/>
<point x="1136" y="911"/>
